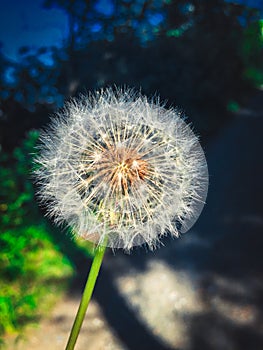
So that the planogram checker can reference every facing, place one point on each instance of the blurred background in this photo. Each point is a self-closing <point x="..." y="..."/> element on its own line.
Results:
<point x="201" y="291"/>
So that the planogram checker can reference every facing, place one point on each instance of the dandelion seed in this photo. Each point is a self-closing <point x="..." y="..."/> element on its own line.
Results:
<point x="117" y="165"/>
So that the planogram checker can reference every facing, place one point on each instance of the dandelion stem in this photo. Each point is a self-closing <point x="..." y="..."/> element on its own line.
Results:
<point x="89" y="287"/>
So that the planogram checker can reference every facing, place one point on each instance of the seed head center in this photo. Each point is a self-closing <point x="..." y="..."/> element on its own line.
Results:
<point x="126" y="168"/>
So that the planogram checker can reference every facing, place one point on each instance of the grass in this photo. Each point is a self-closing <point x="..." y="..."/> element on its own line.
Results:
<point x="34" y="267"/>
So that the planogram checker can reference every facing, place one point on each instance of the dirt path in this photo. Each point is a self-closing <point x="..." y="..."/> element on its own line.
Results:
<point x="53" y="333"/>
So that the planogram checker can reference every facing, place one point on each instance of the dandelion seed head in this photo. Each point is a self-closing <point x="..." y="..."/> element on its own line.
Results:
<point x="119" y="165"/>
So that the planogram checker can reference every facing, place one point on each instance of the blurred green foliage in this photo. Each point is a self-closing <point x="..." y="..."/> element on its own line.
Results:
<point x="32" y="268"/>
<point x="199" y="55"/>
<point x="251" y="51"/>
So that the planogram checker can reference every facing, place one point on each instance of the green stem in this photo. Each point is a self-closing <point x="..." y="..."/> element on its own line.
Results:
<point x="90" y="284"/>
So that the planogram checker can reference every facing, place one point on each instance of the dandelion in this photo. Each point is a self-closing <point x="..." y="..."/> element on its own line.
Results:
<point x="121" y="170"/>
<point x="119" y="166"/>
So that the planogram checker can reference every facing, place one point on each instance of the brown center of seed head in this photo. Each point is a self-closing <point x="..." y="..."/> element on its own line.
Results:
<point x="125" y="168"/>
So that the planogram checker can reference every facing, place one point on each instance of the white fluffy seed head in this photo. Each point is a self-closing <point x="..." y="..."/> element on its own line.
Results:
<point x="117" y="165"/>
